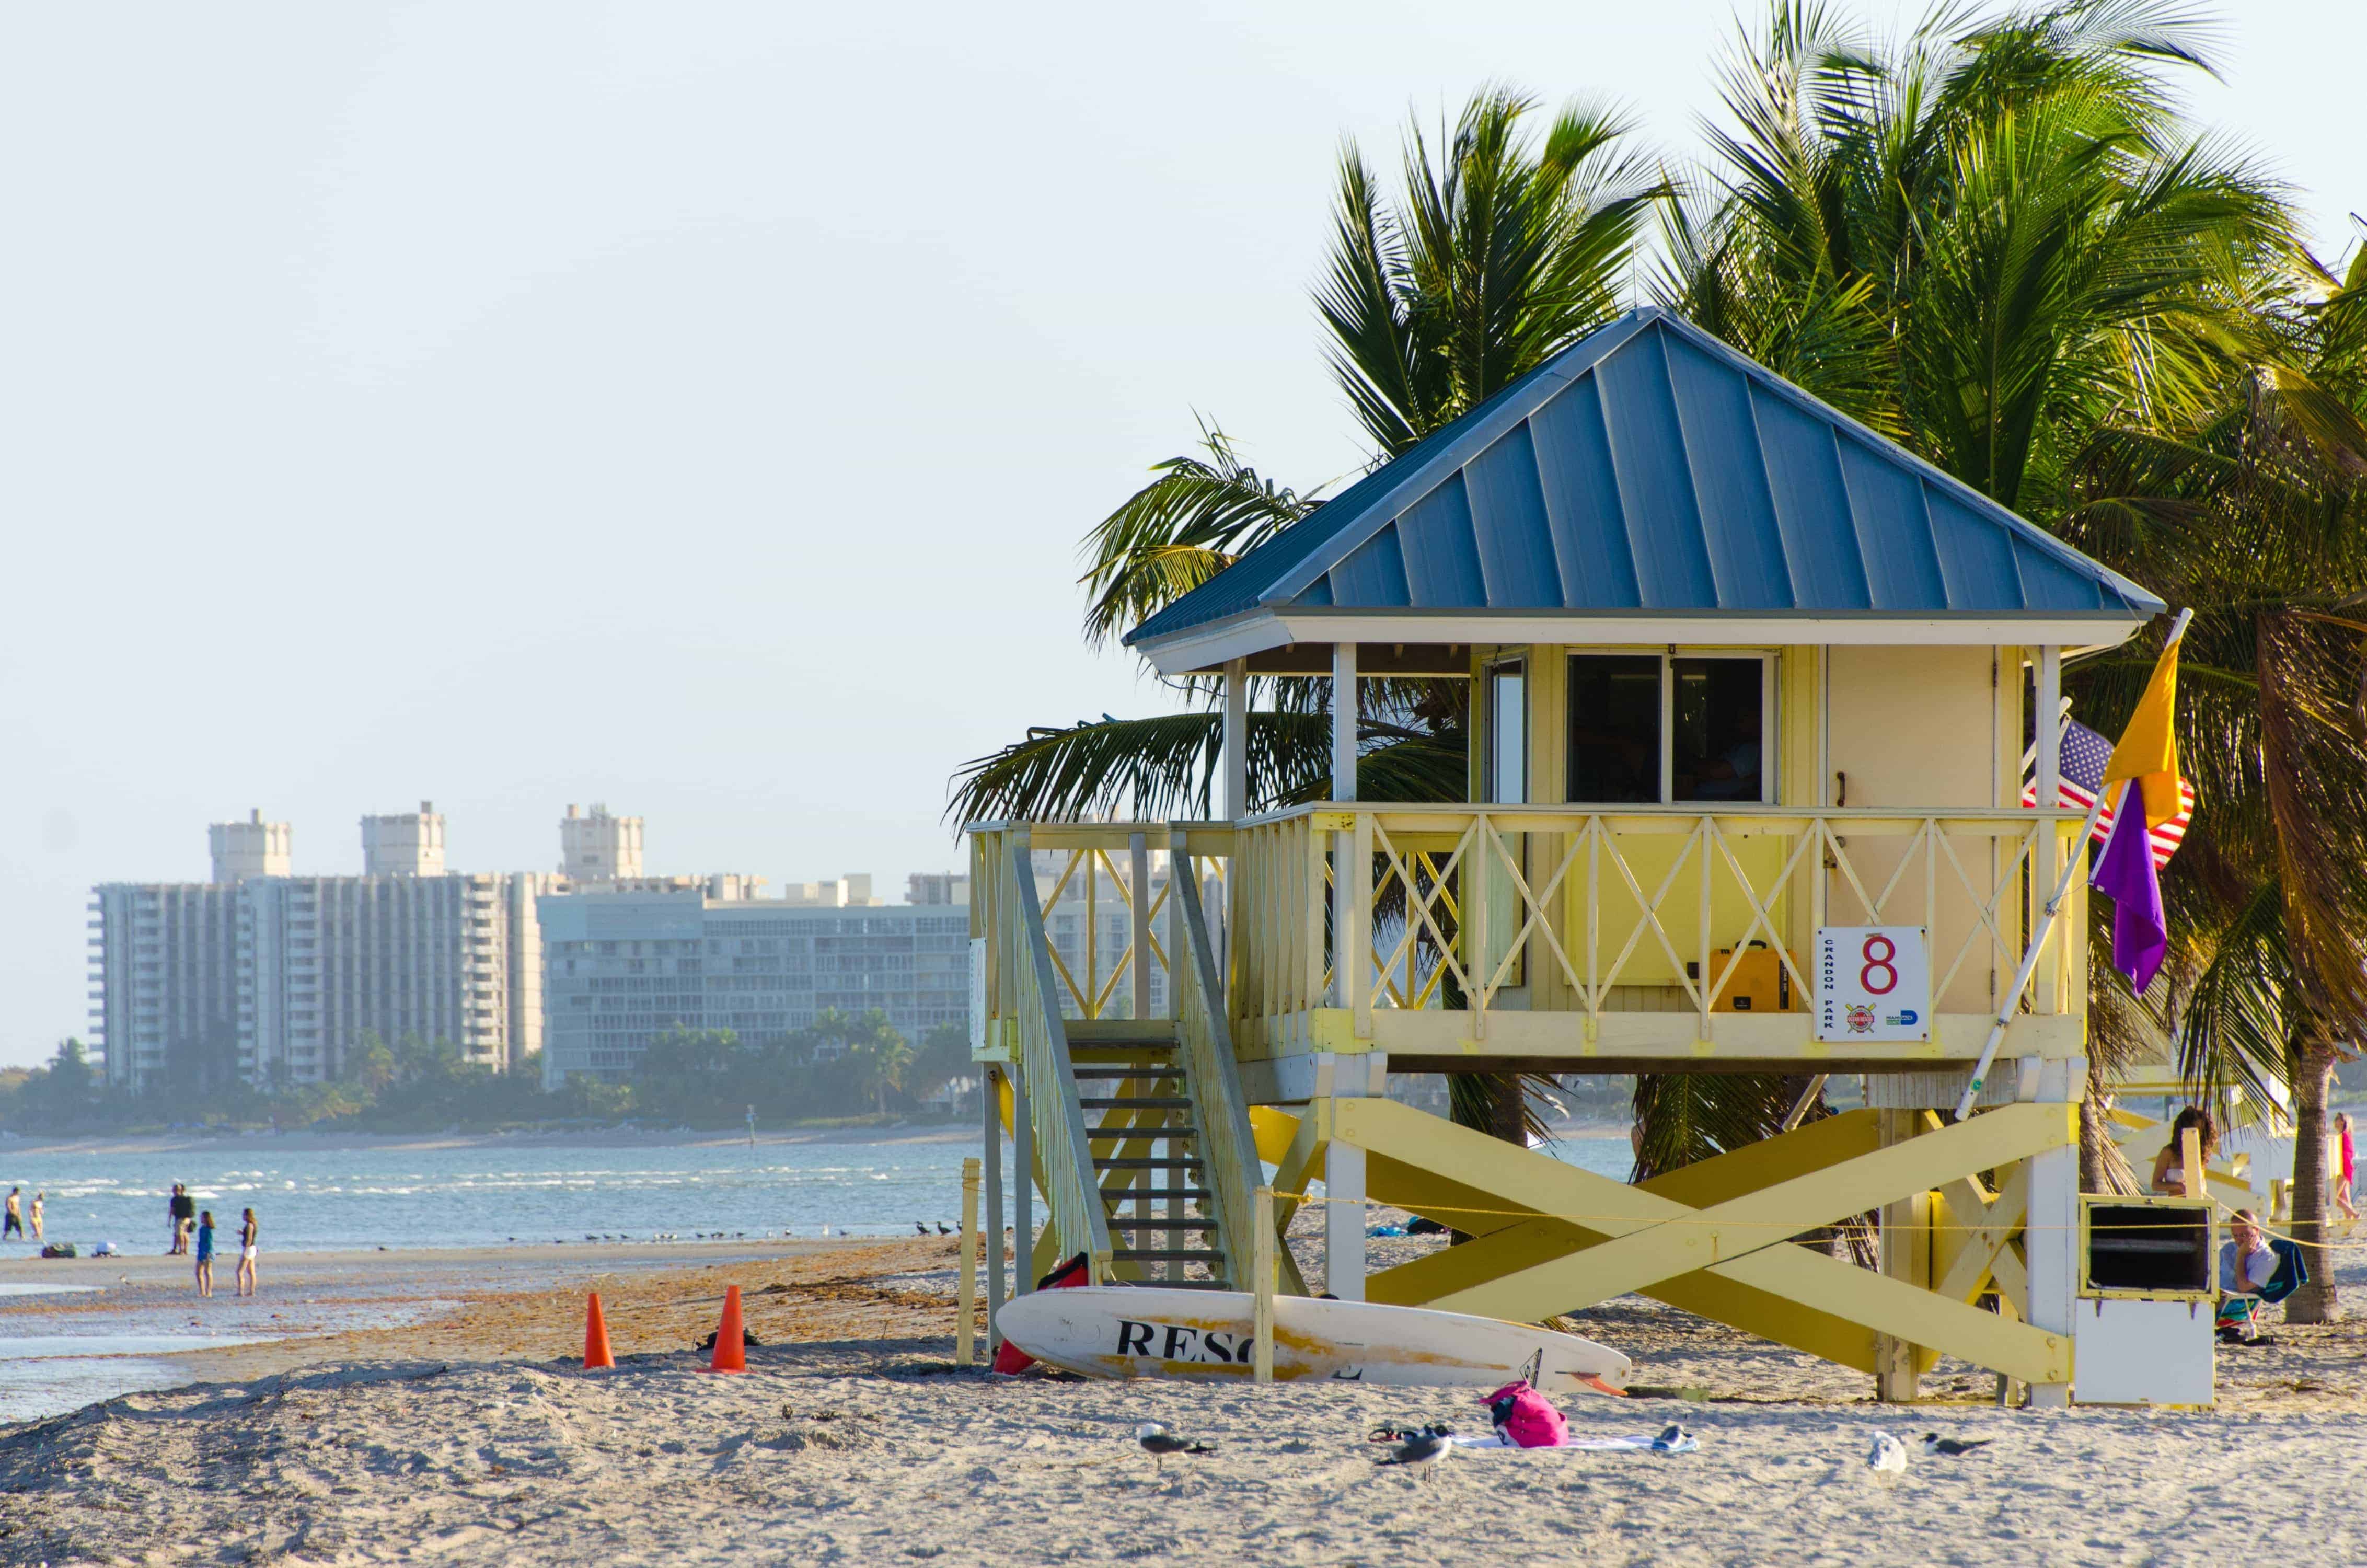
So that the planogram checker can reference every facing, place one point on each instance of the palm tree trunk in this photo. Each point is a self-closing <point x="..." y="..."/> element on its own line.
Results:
<point x="2103" y="1166"/>
<point x="2316" y="1301"/>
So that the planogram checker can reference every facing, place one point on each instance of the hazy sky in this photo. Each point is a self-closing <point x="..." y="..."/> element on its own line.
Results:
<point x="692" y="407"/>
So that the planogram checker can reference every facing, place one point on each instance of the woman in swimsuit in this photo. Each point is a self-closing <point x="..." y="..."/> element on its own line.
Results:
<point x="247" y="1233"/>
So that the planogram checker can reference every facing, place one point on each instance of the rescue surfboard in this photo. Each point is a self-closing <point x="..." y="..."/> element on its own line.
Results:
<point x="1135" y="1331"/>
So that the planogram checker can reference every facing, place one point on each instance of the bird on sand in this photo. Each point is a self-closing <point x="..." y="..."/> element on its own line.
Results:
<point x="1421" y="1450"/>
<point x="919" y="1228"/>
<point x="1955" y="1449"/>
<point x="943" y="1229"/>
<point x="1159" y="1442"/>
<point x="1888" y="1454"/>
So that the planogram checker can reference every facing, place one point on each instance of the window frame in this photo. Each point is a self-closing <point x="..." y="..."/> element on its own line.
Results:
<point x="1668" y="654"/>
<point x="1491" y="788"/>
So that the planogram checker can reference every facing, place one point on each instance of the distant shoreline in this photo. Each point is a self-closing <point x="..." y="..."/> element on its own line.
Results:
<point x="340" y="1142"/>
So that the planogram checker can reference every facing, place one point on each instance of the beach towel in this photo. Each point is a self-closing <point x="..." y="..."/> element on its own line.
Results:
<point x="1673" y="1440"/>
<point x="1011" y="1360"/>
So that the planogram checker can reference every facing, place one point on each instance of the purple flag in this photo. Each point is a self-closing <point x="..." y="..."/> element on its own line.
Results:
<point x="2124" y="873"/>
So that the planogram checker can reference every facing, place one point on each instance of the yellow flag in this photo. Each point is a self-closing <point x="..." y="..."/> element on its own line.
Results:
<point x="2148" y="751"/>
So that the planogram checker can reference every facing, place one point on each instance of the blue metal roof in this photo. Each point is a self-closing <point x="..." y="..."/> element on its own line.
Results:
<point x="1651" y="470"/>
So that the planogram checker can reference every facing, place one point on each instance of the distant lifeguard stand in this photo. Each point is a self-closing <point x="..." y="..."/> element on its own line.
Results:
<point x="1746" y="676"/>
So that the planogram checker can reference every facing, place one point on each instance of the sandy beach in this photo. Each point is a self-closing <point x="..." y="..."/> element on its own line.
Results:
<point x="471" y="1435"/>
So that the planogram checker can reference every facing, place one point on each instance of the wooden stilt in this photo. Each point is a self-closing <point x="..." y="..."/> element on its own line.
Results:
<point x="966" y="1300"/>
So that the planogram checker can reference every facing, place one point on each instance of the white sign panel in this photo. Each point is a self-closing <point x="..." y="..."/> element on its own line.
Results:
<point x="1873" y="982"/>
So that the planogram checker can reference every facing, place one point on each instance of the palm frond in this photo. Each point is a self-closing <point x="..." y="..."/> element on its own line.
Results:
<point x="1196" y="518"/>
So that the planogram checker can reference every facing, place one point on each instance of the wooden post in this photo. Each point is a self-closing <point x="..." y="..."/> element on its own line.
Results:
<point x="1022" y="1177"/>
<point x="1343" y="1218"/>
<point x="994" y="1276"/>
<point x="2046" y="864"/>
<point x="1237" y="740"/>
<point x="966" y="1300"/>
<point x="1905" y="1255"/>
<point x="1138" y="871"/>
<point x="1262" y="1275"/>
<point x="1344" y="881"/>
<point x="2051" y="1228"/>
<point x="2190" y="1162"/>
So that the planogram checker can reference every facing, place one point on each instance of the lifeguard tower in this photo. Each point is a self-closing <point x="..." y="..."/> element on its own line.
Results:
<point x="1746" y="676"/>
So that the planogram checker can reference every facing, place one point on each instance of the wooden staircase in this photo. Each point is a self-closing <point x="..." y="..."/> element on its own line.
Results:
<point x="1149" y="1161"/>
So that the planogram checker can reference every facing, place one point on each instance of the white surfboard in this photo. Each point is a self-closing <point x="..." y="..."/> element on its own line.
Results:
<point x="1134" y="1331"/>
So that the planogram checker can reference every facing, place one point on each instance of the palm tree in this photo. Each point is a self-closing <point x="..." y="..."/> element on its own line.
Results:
<point x="1504" y="249"/>
<point x="879" y="1056"/>
<point x="2256" y="517"/>
<point x="1996" y="242"/>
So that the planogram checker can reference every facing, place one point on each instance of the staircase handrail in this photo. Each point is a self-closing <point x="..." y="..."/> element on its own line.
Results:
<point x="1050" y="1086"/>
<point x="1203" y="1032"/>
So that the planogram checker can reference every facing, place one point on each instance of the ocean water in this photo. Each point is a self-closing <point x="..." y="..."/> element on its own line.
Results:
<point x="312" y="1200"/>
<point x="321" y="1200"/>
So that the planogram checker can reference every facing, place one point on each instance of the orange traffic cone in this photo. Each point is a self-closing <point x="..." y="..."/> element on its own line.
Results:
<point x="595" y="1337"/>
<point x="730" y="1350"/>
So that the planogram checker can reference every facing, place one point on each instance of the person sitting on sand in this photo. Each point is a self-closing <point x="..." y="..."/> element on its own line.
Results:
<point x="247" y="1233"/>
<point x="2246" y="1262"/>
<point x="206" y="1252"/>
<point x="14" y="1225"/>
<point x="2168" y="1172"/>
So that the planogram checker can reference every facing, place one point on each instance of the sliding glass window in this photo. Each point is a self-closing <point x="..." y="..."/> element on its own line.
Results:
<point x="1614" y="728"/>
<point x="1649" y="728"/>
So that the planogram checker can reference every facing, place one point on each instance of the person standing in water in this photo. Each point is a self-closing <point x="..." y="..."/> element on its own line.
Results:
<point x="183" y="1210"/>
<point x="248" y="1230"/>
<point x="14" y="1225"/>
<point x="206" y="1252"/>
<point x="34" y="1214"/>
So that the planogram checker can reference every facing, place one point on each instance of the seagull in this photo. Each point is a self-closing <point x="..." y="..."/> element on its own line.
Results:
<point x="1159" y="1442"/>
<point x="1887" y="1454"/>
<point x="1953" y="1448"/>
<point x="1424" y="1449"/>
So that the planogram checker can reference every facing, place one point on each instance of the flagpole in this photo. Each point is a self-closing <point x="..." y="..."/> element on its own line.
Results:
<point x="2007" y="1008"/>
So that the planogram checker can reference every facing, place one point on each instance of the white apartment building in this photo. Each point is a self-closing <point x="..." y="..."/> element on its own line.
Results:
<point x="622" y="968"/>
<point x="267" y="977"/>
<point x="599" y="848"/>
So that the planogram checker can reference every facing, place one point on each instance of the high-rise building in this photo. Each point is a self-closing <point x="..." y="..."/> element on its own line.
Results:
<point x="937" y="887"/>
<point x="165" y="992"/>
<point x="249" y="848"/>
<point x="408" y="844"/>
<point x="599" y="848"/>
<point x="852" y="891"/>
<point x="621" y="969"/>
<point x="271" y="978"/>
<point x="324" y="959"/>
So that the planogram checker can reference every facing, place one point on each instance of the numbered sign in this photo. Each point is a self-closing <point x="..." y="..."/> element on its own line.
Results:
<point x="1873" y="982"/>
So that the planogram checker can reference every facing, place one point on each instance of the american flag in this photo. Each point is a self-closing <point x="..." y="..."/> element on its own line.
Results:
<point x="2085" y="753"/>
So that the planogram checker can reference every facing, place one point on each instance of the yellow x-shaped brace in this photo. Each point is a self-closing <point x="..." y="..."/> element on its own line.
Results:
<point x="1712" y="1238"/>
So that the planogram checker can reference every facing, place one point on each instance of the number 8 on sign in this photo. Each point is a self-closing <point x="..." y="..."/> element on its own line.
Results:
<point x="1874" y="982"/>
<point x="1881" y="960"/>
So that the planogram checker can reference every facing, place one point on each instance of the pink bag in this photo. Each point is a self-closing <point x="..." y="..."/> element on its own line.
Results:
<point x="1525" y="1417"/>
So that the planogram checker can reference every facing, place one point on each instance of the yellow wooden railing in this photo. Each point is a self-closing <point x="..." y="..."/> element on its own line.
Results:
<point x="1087" y="870"/>
<point x="1587" y="911"/>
